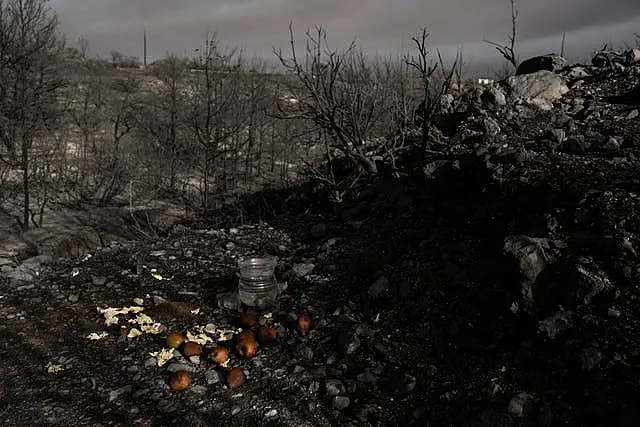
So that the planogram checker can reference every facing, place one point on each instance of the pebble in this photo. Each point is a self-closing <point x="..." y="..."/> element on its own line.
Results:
<point x="211" y="377"/>
<point x="379" y="288"/>
<point x="98" y="280"/>
<point x="367" y="378"/>
<point x="272" y="413"/>
<point x="175" y="367"/>
<point x="314" y="387"/>
<point x="334" y="387"/>
<point x="348" y="343"/>
<point x="115" y="394"/>
<point x="521" y="405"/>
<point x="199" y="390"/>
<point x="590" y="358"/>
<point x="73" y="298"/>
<point x="341" y="402"/>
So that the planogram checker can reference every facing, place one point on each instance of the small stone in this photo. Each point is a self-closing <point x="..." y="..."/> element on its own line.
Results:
<point x="157" y="300"/>
<point x="73" y="298"/>
<point x="379" y="288"/>
<point x="590" y="358"/>
<point x="115" y="394"/>
<point x="236" y="410"/>
<point x="195" y="360"/>
<point x="341" y="402"/>
<point x="229" y="301"/>
<point x="365" y="331"/>
<point x="175" y="367"/>
<point x="348" y="343"/>
<point x="611" y="144"/>
<point x="272" y="413"/>
<point x="521" y="405"/>
<point x="99" y="280"/>
<point x="334" y="387"/>
<point x="211" y="377"/>
<point x="367" y="378"/>
<point x="306" y="352"/>
<point x="614" y="313"/>
<point x="303" y="269"/>
<point x="351" y="386"/>
<point x="314" y="387"/>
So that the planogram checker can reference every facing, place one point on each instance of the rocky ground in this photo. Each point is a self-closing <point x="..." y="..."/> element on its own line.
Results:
<point x="498" y="287"/>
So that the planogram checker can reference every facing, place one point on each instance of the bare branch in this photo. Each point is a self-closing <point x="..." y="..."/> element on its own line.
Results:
<point x="508" y="50"/>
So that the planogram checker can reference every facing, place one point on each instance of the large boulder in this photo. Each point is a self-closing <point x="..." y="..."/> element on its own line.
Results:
<point x="550" y="62"/>
<point x="540" y="88"/>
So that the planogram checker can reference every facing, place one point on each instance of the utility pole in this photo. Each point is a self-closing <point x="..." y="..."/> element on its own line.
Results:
<point x="145" y="47"/>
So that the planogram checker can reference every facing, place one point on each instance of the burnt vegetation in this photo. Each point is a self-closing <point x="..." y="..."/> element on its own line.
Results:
<point x="450" y="251"/>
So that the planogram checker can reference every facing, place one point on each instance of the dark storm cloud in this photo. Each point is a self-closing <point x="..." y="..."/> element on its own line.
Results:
<point x="179" y="25"/>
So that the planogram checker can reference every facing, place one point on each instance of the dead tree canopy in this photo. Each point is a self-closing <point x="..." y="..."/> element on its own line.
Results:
<point x="341" y="92"/>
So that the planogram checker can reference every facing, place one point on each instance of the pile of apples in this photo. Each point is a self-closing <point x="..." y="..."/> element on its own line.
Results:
<point x="245" y="347"/>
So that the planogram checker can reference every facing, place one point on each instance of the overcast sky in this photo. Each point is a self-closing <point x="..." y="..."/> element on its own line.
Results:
<point x="178" y="26"/>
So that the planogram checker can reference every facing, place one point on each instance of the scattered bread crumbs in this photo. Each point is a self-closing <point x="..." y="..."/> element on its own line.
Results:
<point x="51" y="368"/>
<point x="163" y="356"/>
<point x="94" y="336"/>
<point x="111" y="313"/>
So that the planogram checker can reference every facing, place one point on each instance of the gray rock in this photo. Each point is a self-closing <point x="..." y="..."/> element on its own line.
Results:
<point x="199" y="390"/>
<point x="272" y="413"/>
<point x="229" y="300"/>
<point x="334" y="387"/>
<point x="74" y="298"/>
<point x="493" y="96"/>
<point x="314" y="387"/>
<point x="632" y="56"/>
<point x="367" y="377"/>
<point x="434" y="169"/>
<point x="98" y="280"/>
<point x="306" y="352"/>
<point x="365" y="331"/>
<point x="116" y="394"/>
<point x="611" y="145"/>
<point x="175" y="367"/>
<point x="540" y="88"/>
<point x="379" y="288"/>
<point x="211" y="377"/>
<point x="521" y="405"/>
<point x="491" y="127"/>
<point x="590" y="358"/>
<point x="529" y="254"/>
<point x="573" y="146"/>
<point x="550" y="62"/>
<point x="341" y="402"/>
<point x="556" y="324"/>
<point x="348" y="343"/>
<point x="303" y="269"/>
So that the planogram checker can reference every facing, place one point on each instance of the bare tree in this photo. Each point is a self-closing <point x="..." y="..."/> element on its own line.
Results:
<point x="30" y="50"/>
<point x="338" y="91"/>
<point x="215" y="114"/>
<point x="163" y="115"/>
<point x="508" y="50"/>
<point x="432" y="90"/>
